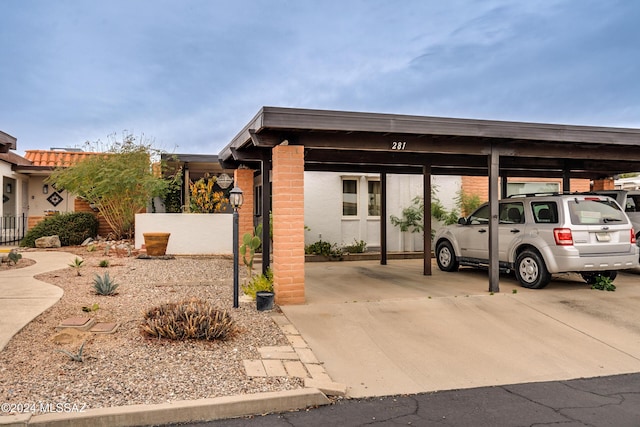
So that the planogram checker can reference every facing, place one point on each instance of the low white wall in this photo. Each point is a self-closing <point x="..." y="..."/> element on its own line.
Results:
<point x="191" y="234"/>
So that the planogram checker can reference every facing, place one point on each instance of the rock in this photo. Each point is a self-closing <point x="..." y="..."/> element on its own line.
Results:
<point x="87" y="241"/>
<point x="48" y="242"/>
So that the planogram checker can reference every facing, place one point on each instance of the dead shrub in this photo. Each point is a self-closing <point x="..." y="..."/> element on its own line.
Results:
<point x="194" y="319"/>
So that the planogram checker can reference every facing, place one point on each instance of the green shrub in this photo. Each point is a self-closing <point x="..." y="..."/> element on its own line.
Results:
<point x="259" y="283"/>
<point x="104" y="263"/>
<point x="195" y="319"/>
<point x="603" y="283"/>
<point x="323" y="248"/>
<point x="356" y="247"/>
<point x="73" y="228"/>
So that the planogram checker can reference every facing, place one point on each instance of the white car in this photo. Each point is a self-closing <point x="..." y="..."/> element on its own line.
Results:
<point x="543" y="235"/>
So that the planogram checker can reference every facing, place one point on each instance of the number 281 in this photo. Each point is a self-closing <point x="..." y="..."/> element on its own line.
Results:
<point x="399" y="145"/>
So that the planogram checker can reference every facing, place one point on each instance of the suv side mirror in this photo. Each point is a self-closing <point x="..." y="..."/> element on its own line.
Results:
<point x="462" y="221"/>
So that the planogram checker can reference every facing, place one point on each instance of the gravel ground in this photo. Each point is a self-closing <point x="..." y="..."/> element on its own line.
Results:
<point x="126" y="368"/>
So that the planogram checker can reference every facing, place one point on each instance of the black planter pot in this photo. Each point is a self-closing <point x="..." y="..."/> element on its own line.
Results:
<point x="264" y="300"/>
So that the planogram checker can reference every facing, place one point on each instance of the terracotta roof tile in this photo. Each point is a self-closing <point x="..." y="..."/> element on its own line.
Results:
<point x="56" y="158"/>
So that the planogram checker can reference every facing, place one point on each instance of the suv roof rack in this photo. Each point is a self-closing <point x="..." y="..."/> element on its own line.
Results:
<point x="533" y="195"/>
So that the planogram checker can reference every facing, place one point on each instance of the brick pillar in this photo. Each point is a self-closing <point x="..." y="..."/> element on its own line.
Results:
<point x="603" y="184"/>
<point x="243" y="178"/>
<point x="288" y="223"/>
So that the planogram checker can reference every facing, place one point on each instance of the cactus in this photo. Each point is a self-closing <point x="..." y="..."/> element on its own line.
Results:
<point x="250" y="243"/>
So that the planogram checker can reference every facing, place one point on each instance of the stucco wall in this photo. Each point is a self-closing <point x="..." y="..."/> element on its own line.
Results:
<point x="191" y="234"/>
<point x="323" y="208"/>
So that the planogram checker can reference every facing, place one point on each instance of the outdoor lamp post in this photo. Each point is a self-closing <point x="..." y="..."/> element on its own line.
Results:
<point x="235" y="199"/>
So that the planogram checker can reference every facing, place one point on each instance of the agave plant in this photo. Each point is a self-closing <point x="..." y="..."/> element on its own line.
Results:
<point x="76" y="357"/>
<point x="104" y="285"/>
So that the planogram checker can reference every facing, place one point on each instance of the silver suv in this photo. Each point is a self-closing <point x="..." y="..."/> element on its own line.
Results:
<point x="542" y="235"/>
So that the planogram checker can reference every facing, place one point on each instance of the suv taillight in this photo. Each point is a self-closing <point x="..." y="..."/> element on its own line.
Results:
<point x="563" y="236"/>
<point x="633" y="236"/>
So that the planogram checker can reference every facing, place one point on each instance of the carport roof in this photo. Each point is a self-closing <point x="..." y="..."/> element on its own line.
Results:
<point x="375" y="142"/>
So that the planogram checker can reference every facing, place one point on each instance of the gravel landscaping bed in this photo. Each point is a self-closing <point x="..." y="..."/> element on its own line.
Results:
<point x="127" y="368"/>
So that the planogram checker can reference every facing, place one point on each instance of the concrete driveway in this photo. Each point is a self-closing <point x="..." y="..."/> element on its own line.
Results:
<point x="384" y="330"/>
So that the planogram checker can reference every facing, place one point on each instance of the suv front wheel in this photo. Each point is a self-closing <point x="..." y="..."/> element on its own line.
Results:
<point x="531" y="271"/>
<point x="446" y="257"/>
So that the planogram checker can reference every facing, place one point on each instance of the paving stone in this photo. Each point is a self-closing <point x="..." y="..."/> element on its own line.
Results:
<point x="328" y="388"/>
<point x="104" y="328"/>
<point x="289" y="329"/>
<point x="274" y="368"/>
<point x="276" y="349"/>
<point x="289" y="355"/>
<point x="318" y="372"/>
<point x="295" y="368"/>
<point x="297" y="341"/>
<point x="254" y="368"/>
<point x="82" y="323"/>
<point x="280" y="319"/>
<point x="306" y="355"/>
<point x="282" y="353"/>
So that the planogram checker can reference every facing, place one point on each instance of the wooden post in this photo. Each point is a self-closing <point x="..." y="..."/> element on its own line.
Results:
<point x="426" y="194"/>
<point x="494" y="207"/>
<point x="383" y="218"/>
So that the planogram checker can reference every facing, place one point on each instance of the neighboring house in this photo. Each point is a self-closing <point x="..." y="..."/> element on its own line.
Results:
<point x="13" y="210"/>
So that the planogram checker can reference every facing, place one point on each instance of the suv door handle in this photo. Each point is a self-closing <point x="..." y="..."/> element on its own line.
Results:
<point x="515" y="230"/>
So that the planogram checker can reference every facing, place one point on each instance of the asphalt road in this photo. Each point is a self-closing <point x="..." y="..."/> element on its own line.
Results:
<point x="603" y="401"/>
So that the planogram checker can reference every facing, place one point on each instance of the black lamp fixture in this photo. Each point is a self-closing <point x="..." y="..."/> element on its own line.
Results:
<point x="235" y="199"/>
<point x="8" y="188"/>
<point x="45" y="189"/>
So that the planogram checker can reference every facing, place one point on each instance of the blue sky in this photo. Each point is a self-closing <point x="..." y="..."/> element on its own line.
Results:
<point x="191" y="73"/>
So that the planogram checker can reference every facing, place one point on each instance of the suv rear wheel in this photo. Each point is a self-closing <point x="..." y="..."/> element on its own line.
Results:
<point x="446" y="257"/>
<point x="531" y="271"/>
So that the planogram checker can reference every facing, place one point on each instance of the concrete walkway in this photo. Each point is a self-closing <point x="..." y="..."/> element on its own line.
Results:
<point x="384" y="330"/>
<point x="23" y="298"/>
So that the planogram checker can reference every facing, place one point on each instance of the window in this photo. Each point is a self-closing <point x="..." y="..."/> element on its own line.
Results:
<point x="511" y="213"/>
<point x="257" y="203"/>
<point x="374" y="198"/>
<point x="480" y="216"/>
<point x="349" y="197"/>
<point x="595" y="212"/>
<point x="532" y="188"/>
<point x="545" y="212"/>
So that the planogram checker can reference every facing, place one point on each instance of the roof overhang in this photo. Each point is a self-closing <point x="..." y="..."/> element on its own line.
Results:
<point x="375" y="142"/>
<point x="7" y="142"/>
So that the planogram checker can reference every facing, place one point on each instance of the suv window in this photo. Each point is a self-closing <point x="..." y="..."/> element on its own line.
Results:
<point x="511" y="213"/>
<point x="545" y="212"/>
<point x="585" y="212"/>
<point x="480" y="216"/>
<point x="633" y="203"/>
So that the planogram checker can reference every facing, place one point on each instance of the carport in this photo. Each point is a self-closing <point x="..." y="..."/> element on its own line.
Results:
<point x="284" y="142"/>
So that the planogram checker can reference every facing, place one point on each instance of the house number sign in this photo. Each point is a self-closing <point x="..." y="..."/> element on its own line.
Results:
<point x="399" y="145"/>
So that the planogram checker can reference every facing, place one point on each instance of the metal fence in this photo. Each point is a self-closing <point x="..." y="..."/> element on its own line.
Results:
<point x="12" y="228"/>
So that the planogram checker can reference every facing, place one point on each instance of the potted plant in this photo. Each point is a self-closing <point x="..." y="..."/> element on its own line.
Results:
<point x="260" y="287"/>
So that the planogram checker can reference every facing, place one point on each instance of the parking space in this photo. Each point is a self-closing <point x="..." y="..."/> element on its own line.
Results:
<point x="389" y="330"/>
